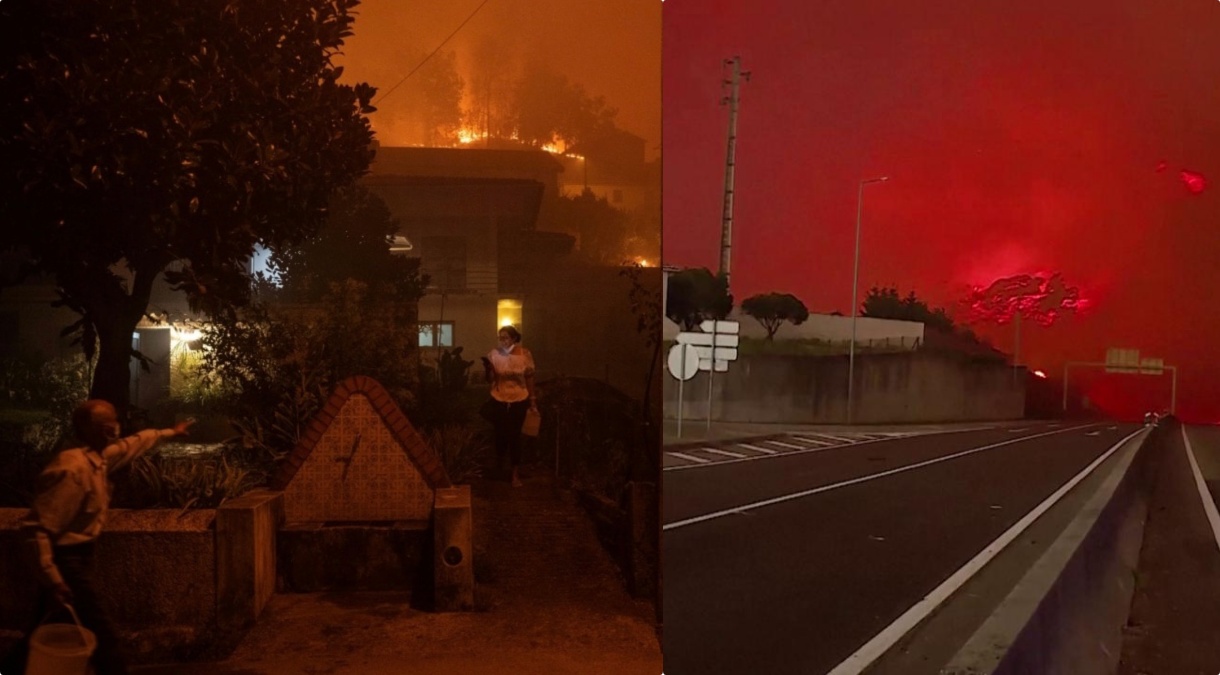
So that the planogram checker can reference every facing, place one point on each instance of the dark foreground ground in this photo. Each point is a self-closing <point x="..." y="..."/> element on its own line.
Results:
<point x="552" y="602"/>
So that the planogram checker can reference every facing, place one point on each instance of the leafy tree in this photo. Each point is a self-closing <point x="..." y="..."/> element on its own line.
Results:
<point x="491" y="77"/>
<point x="427" y="109"/>
<point x="547" y="106"/>
<point x="354" y="243"/>
<point x="282" y="363"/>
<point x="601" y="228"/>
<point x="695" y="295"/>
<point x="886" y="303"/>
<point x="441" y="100"/>
<point x="139" y="133"/>
<point x="773" y="309"/>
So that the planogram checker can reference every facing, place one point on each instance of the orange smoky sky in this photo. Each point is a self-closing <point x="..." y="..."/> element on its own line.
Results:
<point x="612" y="49"/>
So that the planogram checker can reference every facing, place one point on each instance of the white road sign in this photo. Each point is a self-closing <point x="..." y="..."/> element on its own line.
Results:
<point x="725" y="338"/>
<point x="1122" y="360"/>
<point x="683" y="362"/>
<point x="722" y="327"/>
<point x="705" y="340"/>
<point x="1152" y="366"/>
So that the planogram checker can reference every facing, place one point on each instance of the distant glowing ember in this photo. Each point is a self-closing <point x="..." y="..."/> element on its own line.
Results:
<point x="1161" y="166"/>
<point x="1040" y="299"/>
<point x="1039" y="373"/>
<point x="1195" y="182"/>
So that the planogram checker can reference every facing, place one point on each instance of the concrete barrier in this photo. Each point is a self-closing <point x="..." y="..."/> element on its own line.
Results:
<point x="1067" y="613"/>
<point x="246" y="556"/>
<point x="907" y="387"/>
<point x="175" y="581"/>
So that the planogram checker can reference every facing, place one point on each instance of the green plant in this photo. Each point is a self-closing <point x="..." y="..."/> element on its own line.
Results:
<point x="463" y="450"/>
<point x="192" y="385"/>
<point x="156" y="481"/>
<point x="281" y="363"/>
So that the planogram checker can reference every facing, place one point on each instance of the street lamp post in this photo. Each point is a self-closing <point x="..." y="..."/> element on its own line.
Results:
<point x="855" y="284"/>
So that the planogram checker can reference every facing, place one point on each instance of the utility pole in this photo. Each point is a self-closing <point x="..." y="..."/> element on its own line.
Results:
<point x="733" y="82"/>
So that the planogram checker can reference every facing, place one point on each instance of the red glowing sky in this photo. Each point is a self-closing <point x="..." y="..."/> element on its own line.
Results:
<point x="1020" y="138"/>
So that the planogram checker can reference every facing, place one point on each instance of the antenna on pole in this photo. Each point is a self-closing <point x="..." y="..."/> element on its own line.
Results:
<point x="731" y="81"/>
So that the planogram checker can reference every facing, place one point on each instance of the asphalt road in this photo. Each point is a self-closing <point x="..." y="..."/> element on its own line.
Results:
<point x="837" y="552"/>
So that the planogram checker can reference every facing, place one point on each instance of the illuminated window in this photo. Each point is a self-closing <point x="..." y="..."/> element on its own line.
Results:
<point x="436" y="334"/>
<point x="508" y="312"/>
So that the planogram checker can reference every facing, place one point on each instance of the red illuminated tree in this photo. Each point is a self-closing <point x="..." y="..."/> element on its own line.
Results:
<point x="1043" y="300"/>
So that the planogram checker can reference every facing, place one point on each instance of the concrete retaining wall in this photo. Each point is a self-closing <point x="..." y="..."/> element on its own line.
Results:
<point x="176" y="581"/>
<point x="889" y="388"/>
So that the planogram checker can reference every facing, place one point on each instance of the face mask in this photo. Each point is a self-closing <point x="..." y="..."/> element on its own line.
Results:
<point x="507" y="350"/>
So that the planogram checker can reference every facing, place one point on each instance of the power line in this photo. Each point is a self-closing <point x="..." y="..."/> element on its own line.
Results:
<point x="434" y="51"/>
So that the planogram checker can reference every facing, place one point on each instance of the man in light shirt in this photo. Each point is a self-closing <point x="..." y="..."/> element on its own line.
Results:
<point x="69" y="512"/>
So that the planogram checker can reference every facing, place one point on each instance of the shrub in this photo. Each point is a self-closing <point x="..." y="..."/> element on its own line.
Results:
<point x="463" y="450"/>
<point x="158" y="481"/>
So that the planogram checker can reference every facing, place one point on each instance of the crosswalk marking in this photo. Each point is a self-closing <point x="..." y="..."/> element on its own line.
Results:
<point x="689" y="458"/>
<point x="726" y="453"/>
<point x="756" y="448"/>
<point x="787" y="445"/>
<point x="841" y="439"/>
<point x="813" y="441"/>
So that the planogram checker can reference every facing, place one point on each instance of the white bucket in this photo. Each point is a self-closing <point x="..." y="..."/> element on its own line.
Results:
<point x="61" y="649"/>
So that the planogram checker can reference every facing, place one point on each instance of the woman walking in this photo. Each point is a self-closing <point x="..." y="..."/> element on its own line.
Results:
<point x="510" y="370"/>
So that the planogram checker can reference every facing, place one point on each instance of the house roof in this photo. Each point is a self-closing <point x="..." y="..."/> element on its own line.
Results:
<point x="469" y="162"/>
<point x="417" y="450"/>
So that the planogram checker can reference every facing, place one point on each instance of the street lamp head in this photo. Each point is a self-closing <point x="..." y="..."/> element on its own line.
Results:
<point x="880" y="179"/>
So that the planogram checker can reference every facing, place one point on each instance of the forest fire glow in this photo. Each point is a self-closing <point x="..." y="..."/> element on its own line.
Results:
<point x="1043" y="299"/>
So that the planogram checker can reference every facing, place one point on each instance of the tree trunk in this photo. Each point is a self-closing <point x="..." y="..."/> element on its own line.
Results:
<point x="112" y="379"/>
<point x="115" y="314"/>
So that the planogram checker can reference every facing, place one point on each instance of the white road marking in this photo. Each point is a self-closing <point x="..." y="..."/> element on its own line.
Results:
<point x="841" y="439"/>
<point x="834" y="486"/>
<point x="1209" y="504"/>
<point x="726" y="453"/>
<point x="812" y="441"/>
<point x="1015" y="431"/>
<point x="757" y="448"/>
<point x="1093" y="433"/>
<point x="887" y="638"/>
<point x="712" y="465"/>
<point x="689" y="458"/>
<point x="790" y="446"/>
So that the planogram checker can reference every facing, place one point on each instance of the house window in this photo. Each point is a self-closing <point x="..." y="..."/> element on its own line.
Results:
<point x="436" y="334"/>
<point x="508" y="313"/>
<point x="443" y="259"/>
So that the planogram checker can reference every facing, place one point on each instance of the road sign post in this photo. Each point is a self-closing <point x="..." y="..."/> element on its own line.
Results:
<point x="683" y="364"/>
<point x="713" y="348"/>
